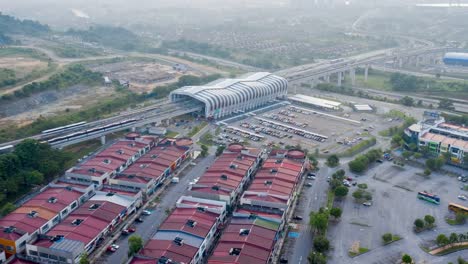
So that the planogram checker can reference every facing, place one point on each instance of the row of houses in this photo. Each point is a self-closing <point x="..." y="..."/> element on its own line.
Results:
<point x="439" y="137"/>
<point x="256" y="197"/>
<point x="75" y="213"/>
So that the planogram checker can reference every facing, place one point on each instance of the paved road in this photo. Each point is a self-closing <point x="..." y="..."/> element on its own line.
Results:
<point x="168" y="199"/>
<point x="312" y="198"/>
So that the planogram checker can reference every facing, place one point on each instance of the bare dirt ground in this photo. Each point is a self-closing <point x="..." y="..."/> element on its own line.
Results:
<point x="22" y="65"/>
<point x="143" y="76"/>
<point x="49" y="103"/>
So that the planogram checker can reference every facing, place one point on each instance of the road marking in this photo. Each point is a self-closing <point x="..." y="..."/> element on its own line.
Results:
<point x="300" y="260"/>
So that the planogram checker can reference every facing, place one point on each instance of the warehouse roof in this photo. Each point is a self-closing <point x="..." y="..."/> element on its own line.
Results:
<point x="315" y="101"/>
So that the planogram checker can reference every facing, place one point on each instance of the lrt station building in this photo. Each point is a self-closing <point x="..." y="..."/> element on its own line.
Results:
<point x="440" y="137"/>
<point x="230" y="96"/>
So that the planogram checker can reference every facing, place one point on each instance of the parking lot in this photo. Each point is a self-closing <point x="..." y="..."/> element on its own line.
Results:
<point x="333" y="131"/>
<point x="394" y="209"/>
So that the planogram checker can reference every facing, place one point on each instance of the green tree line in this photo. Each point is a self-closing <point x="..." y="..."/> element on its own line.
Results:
<point x="30" y="164"/>
<point x="7" y="76"/>
<point x="12" y="25"/>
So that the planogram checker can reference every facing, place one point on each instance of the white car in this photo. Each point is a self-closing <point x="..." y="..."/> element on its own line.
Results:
<point x="367" y="203"/>
<point x="462" y="197"/>
<point x="146" y="212"/>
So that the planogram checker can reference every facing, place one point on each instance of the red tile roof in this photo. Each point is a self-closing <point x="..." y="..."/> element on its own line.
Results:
<point x="40" y="204"/>
<point x="110" y="159"/>
<point x="177" y="221"/>
<point x="233" y="166"/>
<point x="93" y="222"/>
<point x="275" y="181"/>
<point x="255" y="247"/>
<point x="167" y="248"/>
<point x="155" y="162"/>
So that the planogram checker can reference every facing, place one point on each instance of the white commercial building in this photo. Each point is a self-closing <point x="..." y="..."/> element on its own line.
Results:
<point x="229" y="96"/>
<point x="314" y="101"/>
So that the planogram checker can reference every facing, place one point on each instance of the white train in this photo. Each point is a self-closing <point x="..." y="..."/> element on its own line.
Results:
<point x="96" y="130"/>
<point x="63" y="128"/>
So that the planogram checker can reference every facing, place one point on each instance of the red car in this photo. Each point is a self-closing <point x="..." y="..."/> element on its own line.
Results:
<point x="113" y="248"/>
<point x="349" y="179"/>
<point x="128" y="231"/>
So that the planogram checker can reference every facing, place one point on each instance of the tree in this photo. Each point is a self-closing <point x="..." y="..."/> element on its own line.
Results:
<point x="427" y="171"/>
<point x="453" y="238"/>
<point x="396" y="140"/>
<point x="358" y="165"/>
<point x="135" y="243"/>
<point x="204" y="151"/>
<point x="407" y="154"/>
<point x="318" y="221"/>
<point x="461" y="261"/>
<point x="442" y="240"/>
<point x="460" y="218"/>
<point x="358" y="194"/>
<point x="220" y="150"/>
<point x="333" y="161"/>
<point x="435" y="164"/>
<point x="419" y="223"/>
<point x="334" y="183"/>
<point x="317" y="258"/>
<point x="7" y="208"/>
<point x="84" y="258"/>
<point x="313" y="160"/>
<point x="341" y="191"/>
<point x="407" y="101"/>
<point x="387" y="237"/>
<point x="429" y="219"/>
<point x="407" y="259"/>
<point x="362" y="186"/>
<point x="336" y="212"/>
<point x="321" y="244"/>
<point x="445" y="103"/>
<point x="34" y="178"/>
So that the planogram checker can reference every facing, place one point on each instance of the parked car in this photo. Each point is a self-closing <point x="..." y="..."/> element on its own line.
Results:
<point x="368" y="203"/>
<point x="311" y="174"/>
<point x="146" y="212"/>
<point x="311" y="177"/>
<point x="139" y="220"/>
<point x="283" y="260"/>
<point x="308" y="184"/>
<point x="113" y="248"/>
<point x="462" y="197"/>
<point x="297" y="217"/>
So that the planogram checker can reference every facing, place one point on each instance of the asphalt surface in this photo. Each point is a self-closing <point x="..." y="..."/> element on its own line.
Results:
<point x="167" y="200"/>
<point x="311" y="199"/>
<point x="394" y="209"/>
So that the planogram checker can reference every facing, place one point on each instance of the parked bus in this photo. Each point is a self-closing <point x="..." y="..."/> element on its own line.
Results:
<point x="458" y="208"/>
<point x="432" y="198"/>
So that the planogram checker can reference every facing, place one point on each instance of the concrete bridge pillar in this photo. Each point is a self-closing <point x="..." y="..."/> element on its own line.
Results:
<point x="366" y="72"/>
<point x="340" y="78"/>
<point x="416" y="61"/>
<point x="103" y="140"/>
<point x="133" y="129"/>
<point x="352" y="75"/>
<point x="327" y="78"/>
